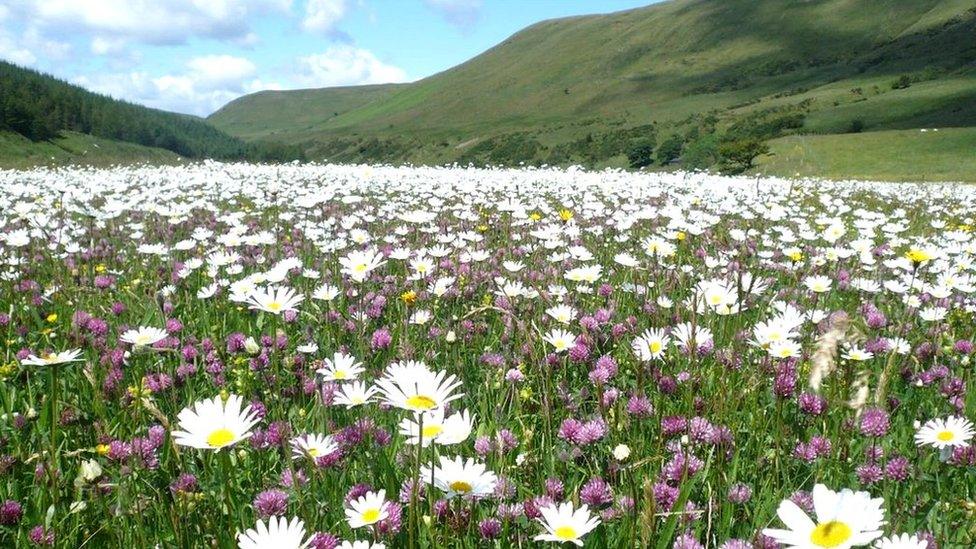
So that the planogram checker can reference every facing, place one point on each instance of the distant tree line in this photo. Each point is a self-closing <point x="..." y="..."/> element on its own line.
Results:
<point x="40" y="107"/>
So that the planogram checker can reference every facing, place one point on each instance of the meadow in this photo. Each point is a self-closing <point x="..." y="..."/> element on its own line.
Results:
<point x="234" y="355"/>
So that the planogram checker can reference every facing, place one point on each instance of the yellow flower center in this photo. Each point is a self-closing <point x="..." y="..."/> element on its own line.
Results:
<point x="460" y="487"/>
<point x="655" y="347"/>
<point x="339" y="374"/>
<point x="274" y="306"/>
<point x="421" y="402"/>
<point x="357" y="400"/>
<point x="565" y="533"/>
<point x="431" y="431"/>
<point x="220" y="438"/>
<point x="830" y="534"/>
<point x="945" y="436"/>
<point x="313" y="452"/>
<point x="360" y="268"/>
<point x="142" y="340"/>
<point x="371" y="515"/>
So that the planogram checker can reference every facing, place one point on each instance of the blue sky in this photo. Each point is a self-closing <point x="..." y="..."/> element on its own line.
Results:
<point x="195" y="55"/>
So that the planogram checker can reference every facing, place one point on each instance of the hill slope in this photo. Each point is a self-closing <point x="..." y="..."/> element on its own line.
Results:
<point x="684" y="67"/>
<point x="43" y="109"/>
<point x="269" y="113"/>
<point x="16" y="151"/>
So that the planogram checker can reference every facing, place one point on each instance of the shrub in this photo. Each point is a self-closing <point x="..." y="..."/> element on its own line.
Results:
<point x="641" y="153"/>
<point x="670" y="149"/>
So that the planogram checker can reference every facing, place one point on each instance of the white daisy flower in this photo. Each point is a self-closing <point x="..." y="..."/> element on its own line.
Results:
<point x="564" y="524"/>
<point x="279" y="533"/>
<point x="845" y="519"/>
<point x="367" y="510"/>
<point x="460" y="477"/>
<point x="213" y="424"/>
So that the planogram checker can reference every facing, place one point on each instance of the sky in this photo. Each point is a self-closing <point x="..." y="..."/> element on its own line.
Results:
<point x="193" y="56"/>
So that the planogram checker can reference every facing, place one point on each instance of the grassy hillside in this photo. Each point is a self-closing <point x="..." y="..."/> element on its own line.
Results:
<point x="16" y="151"/>
<point x="682" y="67"/>
<point x="905" y="155"/>
<point x="270" y="113"/>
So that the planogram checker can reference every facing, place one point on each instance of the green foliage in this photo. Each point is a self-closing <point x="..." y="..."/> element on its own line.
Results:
<point x="503" y="150"/>
<point x="739" y="155"/>
<point x="670" y="149"/>
<point x="641" y="153"/>
<point x="702" y="153"/>
<point x="40" y="107"/>
<point x="904" y="81"/>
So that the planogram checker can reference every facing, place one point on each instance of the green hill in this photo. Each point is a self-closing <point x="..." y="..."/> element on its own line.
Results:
<point x="592" y="89"/>
<point x="49" y="115"/>
<point x="270" y="113"/>
<point x="16" y="151"/>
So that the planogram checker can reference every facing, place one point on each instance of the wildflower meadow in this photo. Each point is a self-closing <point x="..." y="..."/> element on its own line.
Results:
<point x="232" y="355"/>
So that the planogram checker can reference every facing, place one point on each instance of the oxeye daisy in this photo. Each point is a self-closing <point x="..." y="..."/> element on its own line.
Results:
<point x="436" y="428"/>
<point x="857" y="354"/>
<point x="903" y="541"/>
<point x="325" y="292"/>
<point x="651" y="345"/>
<point x="457" y="477"/>
<point x="312" y="446"/>
<point x="274" y="300"/>
<point x="945" y="433"/>
<point x="367" y="510"/>
<point x="51" y="359"/>
<point x="844" y="519"/>
<point x="214" y="424"/>
<point x="341" y="367"/>
<point x="279" y="533"/>
<point x="358" y="264"/>
<point x="564" y="524"/>
<point x="143" y="336"/>
<point x="562" y="313"/>
<point x="418" y="390"/>
<point x="817" y="284"/>
<point x="561" y="340"/>
<point x="354" y="394"/>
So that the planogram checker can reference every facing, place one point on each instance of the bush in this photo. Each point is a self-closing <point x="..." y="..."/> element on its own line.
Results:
<point x="701" y="153"/>
<point x="641" y="153"/>
<point x="670" y="149"/>
<point x="740" y="155"/>
<point x="857" y="126"/>
<point x="904" y="81"/>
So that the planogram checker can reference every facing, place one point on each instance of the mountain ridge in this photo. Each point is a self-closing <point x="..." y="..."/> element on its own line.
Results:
<point x="670" y="66"/>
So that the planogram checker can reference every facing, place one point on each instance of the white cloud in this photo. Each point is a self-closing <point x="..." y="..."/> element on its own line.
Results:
<point x="208" y="83"/>
<point x="11" y="50"/>
<point x="101" y="45"/>
<point x="461" y="13"/>
<point x="321" y="16"/>
<point x="345" y="66"/>
<point x="221" y="71"/>
<point x="147" y="21"/>
<point x="27" y="46"/>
